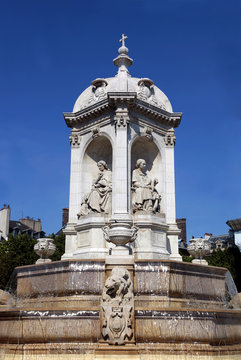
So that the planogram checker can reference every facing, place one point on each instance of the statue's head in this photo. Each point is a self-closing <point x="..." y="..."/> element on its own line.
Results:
<point x="140" y="164"/>
<point x="102" y="165"/>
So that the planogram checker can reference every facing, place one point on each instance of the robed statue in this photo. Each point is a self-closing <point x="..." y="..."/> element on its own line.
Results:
<point x="145" y="196"/>
<point x="99" y="198"/>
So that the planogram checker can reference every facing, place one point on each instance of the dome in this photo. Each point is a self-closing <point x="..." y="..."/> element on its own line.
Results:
<point x="149" y="93"/>
<point x="122" y="82"/>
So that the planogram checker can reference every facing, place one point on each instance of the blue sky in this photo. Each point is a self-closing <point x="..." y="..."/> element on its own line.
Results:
<point x="52" y="50"/>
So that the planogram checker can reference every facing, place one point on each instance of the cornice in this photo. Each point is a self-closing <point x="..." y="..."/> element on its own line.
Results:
<point x="74" y="119"/>
<point x="160" y="115"/>
<point x="129" y="100"/>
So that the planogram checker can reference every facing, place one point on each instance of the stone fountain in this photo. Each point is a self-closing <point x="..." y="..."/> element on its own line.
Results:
<point x="121" y="289"/>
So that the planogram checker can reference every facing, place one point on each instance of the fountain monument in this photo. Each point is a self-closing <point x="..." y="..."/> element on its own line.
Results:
<point x="121" y="288"/>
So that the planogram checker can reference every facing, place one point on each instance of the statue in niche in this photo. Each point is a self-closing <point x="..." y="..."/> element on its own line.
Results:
<point x="99" y="198"/>
<point x="117" y="307"/>
<point x="145" y="195"/>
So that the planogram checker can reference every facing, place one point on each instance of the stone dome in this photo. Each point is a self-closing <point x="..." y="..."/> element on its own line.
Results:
<point x="151" y="94"/>
<point x="122" y="82"/>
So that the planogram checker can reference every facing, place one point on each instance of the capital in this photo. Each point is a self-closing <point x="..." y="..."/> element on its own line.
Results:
<point x="74" y="140"/>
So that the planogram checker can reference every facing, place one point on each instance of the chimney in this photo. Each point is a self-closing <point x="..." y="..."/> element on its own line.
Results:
<point x="35" y="225"/>
<point x="4" y="221"/>
<point x="207" y="236"/>
<point x="65" y="216"/>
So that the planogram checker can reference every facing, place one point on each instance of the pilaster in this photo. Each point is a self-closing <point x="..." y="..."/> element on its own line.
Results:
<point x="120" y="188"/>
<point x="170" y="178"/>
<point x="75" y="140"/>
<point x="173" y="231"/>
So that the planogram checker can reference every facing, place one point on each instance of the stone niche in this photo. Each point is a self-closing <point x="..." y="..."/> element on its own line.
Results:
<point x="90" y="242"/>
<point x="151" y="239"/>
<point x="98" y="149"/>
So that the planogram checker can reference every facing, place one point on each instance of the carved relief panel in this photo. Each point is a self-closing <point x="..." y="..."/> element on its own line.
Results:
<point x="118" y="308"/>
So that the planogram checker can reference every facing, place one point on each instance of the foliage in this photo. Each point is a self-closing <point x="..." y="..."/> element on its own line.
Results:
<point x="185" y="256"/>
<point x="59" y="241"/>
<point x="18" y="251"/>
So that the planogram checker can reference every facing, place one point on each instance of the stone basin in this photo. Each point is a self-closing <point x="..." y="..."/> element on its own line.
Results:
<point x="179" y="307"/>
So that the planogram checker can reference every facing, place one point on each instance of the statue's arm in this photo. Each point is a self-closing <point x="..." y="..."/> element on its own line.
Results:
<point x="106" y="179"/>
<point x="141" y="182"/>
<point x="136" y="181"/>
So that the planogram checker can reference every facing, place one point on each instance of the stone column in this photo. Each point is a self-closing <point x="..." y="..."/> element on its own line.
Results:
<point x="173" y="231"/>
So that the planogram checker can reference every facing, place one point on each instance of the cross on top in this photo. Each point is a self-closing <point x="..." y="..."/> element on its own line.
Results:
<point x="123" y="39"/>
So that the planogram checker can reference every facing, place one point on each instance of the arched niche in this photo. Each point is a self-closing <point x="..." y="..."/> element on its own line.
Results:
<point x="99" y="149"/>
<point x="143" y="148"/>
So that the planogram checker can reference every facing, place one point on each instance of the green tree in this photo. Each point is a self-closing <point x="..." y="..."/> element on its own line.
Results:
<point x="19" y="251"/>
<point x="59" y="241"/>
<point x="16" y="251"/>
<point x="185" y="256"/>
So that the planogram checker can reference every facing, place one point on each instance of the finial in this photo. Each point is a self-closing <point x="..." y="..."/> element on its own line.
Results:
<point x="124" y="37"/>
<point x="123" y="61"/>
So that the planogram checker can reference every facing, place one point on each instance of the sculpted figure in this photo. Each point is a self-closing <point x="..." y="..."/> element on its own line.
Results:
<point x="118" y="287"/>
<point x="99" y="198"/>
<point x="145" y="196"/>
<point x="117" y="307"/>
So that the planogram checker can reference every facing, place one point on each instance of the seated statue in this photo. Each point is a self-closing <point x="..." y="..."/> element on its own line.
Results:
<point x="99" y="198"/>
<point x="145" y="196"/>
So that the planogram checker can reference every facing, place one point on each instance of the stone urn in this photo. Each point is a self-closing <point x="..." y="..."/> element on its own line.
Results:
<point x="120" y="233"/>
<point x="199" y="248"/>
<point x="44" y="248"/>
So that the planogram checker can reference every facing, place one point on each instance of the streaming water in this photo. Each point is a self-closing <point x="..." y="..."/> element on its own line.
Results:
<point x="231" y="288"/>
<point x="54" y="311"/>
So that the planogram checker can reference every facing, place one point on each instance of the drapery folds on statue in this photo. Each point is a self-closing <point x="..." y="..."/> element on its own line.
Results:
<point x="99" y="198"/>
